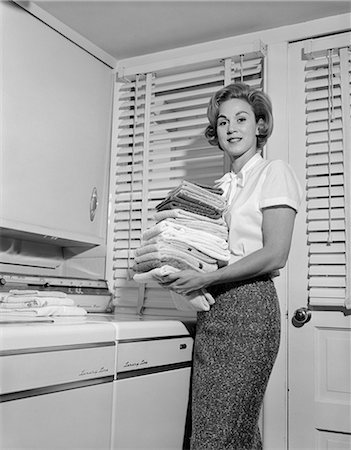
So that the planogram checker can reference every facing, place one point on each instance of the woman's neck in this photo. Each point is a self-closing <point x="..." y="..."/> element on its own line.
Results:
<point x="238" y="163"/>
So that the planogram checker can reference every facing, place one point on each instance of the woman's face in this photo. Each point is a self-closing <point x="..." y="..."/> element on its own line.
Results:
<point x="237" y="130"/>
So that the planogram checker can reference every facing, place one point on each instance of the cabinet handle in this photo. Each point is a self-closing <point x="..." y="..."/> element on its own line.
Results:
<point x="93" y="204"/>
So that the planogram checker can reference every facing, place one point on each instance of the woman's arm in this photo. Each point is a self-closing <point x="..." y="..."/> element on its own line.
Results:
<point x="277" y="229"/>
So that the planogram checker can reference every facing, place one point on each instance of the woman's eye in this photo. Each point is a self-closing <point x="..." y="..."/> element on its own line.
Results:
<point x="241" y="119"/>
<point x="221" y="123"/>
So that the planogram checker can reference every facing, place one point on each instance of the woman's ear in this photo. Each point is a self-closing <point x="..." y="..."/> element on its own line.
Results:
<point x="259" y="126"/>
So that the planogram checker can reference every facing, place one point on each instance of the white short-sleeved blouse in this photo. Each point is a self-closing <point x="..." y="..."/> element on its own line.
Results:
<point x="259" y="184"/>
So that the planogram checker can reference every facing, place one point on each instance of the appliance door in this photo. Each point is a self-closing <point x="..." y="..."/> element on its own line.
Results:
<point x="150" y="410"/>
<point x="56" y="396"/>
<point x="72" y="418"/>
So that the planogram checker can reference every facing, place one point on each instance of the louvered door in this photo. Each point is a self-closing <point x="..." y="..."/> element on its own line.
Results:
<point x="158" y="140"/>
<point x="319" y="264"/>
<point x="328" y="165"/>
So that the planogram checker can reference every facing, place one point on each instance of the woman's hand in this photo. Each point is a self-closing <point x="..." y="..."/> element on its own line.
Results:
<point x="184" y="282"/>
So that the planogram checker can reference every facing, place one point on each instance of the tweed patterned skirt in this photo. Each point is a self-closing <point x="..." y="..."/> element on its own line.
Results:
<point x="236" y="345"/>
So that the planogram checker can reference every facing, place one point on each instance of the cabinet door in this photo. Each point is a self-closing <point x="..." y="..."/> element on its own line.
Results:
<point x="56" y="122"/>
<point x="154" y="405"/>
<point x="71" y="419"/>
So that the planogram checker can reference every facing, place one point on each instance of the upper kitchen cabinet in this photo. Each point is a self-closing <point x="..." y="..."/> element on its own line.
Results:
<point x="56" y="116"/>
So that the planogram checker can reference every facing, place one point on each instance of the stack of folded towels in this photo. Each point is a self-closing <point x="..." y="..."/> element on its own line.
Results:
<point x="39" y="303"/>
<point x="190" y="233"/>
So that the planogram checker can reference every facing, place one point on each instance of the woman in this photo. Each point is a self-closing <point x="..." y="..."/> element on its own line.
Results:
<point x="237" y="341"/>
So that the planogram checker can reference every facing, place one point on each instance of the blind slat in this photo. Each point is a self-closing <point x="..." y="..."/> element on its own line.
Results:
<point x="327" y="294"/>
<point x="318" y="214"/>
<point x="327" y="282"/>
<point x="332" y="248"/>
<point x="327" y="269"/>
<point x="329" y="258"/>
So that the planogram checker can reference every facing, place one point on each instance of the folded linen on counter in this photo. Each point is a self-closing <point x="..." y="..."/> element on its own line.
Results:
<point x="200" y="300"/>
<point x="36" y="303"/>
<point x="173" y="253"/>
<point x="29" y="292"/>
<point x="46" y="311"/>
<point x="29" y="300"/>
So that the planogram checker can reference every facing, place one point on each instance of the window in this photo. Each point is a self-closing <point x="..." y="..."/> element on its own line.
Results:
<point x="159" y="122"/>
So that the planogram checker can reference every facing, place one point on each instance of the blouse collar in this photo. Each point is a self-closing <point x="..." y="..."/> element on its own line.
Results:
<point x="241" y="176"/>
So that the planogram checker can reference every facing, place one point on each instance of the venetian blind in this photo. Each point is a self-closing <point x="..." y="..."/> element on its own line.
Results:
<point x="159" y="122"/>
<point x="327" y="93"/>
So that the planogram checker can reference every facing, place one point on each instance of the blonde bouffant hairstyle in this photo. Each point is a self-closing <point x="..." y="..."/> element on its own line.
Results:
<point x="259" y="102"/>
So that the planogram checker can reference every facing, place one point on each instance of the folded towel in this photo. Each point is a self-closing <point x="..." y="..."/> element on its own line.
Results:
<point x="38" y="293"/>
<point x="196" y="301"/>
<point x="182" y="214"/>
<point x="28" y="301"/>
<point x="214" y="189"/>
<point x="212" y="196"/>
<point x="163" y="245"/>
<point x="171" y="261"/>
<point x="194" y="198"/>
<point x="183" y="231"/>
<point x="46" y="311"/>
<point x="213" y="246"/>
<point x="191" y="206"/>
<point x="174" y="253"/>
<point x="212" y="254"/>
<point x="213" y="201"/>
<point x="212" y="228"/>
<point x="18" y="305"/>
<point x="192" y="302"/>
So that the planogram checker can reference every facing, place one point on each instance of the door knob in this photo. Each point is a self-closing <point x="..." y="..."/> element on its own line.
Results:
<point x="301" y="316"/>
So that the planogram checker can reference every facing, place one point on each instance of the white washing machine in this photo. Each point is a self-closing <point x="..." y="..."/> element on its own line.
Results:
<point x="152" y="381"/>
<point x="63" y="380"/>
<point x="56" y="385"/>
